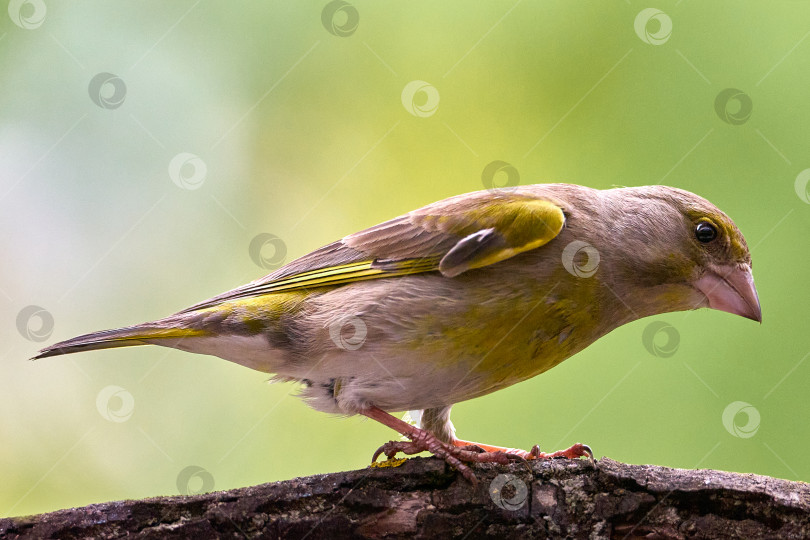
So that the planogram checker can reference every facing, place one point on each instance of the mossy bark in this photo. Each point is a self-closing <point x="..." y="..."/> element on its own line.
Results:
<point x="425" y="498"/>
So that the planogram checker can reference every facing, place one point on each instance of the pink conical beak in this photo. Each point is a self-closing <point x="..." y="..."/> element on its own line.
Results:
<point x="731" y="288"/>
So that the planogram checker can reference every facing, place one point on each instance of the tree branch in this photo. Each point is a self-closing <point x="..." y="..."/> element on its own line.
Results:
<point x="425" y="498"/>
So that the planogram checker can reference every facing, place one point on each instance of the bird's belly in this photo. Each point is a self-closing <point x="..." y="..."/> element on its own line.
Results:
<point x="393" y="382"/>
<point x="396" y="380"/>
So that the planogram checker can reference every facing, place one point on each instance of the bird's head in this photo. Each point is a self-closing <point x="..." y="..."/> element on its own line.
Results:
<point x="678" y="238"/>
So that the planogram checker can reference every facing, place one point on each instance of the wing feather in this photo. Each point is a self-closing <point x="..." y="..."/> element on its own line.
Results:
<point x="451" y="236"/>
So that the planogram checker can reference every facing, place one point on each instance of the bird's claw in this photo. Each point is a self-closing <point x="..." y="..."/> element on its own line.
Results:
<point x="576" y="451"/>
<point x="391" y="448"/>
<point x="423" y="441"/>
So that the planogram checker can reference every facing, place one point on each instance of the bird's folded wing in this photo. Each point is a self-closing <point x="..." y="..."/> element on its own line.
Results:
<point x="452" y="236"/>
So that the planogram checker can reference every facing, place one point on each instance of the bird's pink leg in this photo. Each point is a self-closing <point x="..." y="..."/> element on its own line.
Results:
<point x="424" y="441"/>
<point x="576" y="451"/>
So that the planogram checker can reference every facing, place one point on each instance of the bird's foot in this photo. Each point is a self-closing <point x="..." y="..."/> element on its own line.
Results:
<point x="576" y="451"/>
<point x="459" y="452"/>
<point x="455" y="456"/>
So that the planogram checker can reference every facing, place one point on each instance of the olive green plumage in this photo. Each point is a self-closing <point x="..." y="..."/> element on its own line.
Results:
<point x="465" y="296"/>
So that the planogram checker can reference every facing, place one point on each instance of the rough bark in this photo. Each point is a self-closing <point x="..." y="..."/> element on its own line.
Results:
<point x="425" y="498"/>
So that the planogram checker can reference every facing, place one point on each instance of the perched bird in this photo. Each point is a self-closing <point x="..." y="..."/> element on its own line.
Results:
<point x="461" y="298"/>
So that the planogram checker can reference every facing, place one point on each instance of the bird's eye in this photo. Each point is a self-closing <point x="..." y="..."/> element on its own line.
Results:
<point x="705" y="232"/>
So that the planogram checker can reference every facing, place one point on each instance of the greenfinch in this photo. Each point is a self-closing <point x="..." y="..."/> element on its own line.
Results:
<point x="461" y="298"/>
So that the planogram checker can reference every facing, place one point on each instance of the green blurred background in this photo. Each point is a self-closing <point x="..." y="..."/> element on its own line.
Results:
<point x="295" y="113"/>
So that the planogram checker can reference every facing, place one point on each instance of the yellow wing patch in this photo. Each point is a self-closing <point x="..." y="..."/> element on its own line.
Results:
<point x="498" y="231"/>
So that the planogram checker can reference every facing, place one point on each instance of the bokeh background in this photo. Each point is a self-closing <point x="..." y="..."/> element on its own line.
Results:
<point x="146" y="146"/>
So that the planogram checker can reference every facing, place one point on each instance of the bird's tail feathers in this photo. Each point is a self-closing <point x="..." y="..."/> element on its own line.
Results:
<point x="142" y="334"/>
